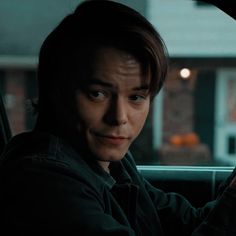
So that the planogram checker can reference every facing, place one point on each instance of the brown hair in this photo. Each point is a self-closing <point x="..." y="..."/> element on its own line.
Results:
<point x="67" y="50"/>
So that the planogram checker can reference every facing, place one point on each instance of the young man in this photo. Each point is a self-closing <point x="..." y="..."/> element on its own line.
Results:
<point x="98" y="73"/>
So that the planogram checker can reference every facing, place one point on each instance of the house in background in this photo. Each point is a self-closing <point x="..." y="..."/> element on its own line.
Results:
<point x="201" y="38"/>
<point x="199" y="99"/>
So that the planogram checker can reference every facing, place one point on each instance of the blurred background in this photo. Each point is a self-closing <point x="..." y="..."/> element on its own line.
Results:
<point x="192" y="120"/>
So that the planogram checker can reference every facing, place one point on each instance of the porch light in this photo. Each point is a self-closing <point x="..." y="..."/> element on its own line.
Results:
<point x="185" y="73"/>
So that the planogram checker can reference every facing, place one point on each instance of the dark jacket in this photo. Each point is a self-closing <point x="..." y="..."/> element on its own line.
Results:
<point x="46" y="186"/>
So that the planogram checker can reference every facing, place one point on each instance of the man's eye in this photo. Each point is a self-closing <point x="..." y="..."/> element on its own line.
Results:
<point x="137" y="98"/>
<point x="97" y="95"/>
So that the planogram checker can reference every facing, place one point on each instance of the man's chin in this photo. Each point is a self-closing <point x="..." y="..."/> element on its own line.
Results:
<point x="110" y="156"/>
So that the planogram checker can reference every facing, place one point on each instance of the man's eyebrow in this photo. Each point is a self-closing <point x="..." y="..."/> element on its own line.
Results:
<point x="95" y="81"/>
<point x="142" y="87"/>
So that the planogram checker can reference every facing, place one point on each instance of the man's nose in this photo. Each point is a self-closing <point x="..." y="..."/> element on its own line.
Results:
<point x="117" y="112"/>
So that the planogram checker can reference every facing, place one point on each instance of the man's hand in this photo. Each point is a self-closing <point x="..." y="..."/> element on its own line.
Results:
<point x="233" y="183"/>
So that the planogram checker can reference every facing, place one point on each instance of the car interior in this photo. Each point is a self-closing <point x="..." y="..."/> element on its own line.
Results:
<point x="5" y="132"/>
<point x="198" y="183"/>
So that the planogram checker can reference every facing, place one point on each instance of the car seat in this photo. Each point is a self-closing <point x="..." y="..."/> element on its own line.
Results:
<point x="5" y="131"/>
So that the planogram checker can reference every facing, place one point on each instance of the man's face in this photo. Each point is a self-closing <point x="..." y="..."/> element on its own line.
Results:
<point x="113" y="107"/>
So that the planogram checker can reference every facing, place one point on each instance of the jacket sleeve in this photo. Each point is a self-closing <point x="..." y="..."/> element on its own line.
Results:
<point x="175" y="211"/>
<point x="216" y="218"/>
<point x="42" y="198"/>
<point x="222" y="219"/>
<point x="178" y="216"/>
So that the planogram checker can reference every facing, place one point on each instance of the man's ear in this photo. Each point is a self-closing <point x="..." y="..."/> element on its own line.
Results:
<point x="226" y="6"/>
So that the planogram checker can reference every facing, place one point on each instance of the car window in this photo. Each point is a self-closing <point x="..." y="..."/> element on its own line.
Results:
<point x="193" y="119"/>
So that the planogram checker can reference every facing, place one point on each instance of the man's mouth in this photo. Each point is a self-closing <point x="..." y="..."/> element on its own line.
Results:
<point x="111" y="139"/>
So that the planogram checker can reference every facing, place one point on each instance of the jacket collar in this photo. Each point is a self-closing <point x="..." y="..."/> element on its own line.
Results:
<point x="57" y="149"/>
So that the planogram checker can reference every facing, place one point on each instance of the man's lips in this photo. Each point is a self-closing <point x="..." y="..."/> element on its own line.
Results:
<point x="111" y="139"/>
